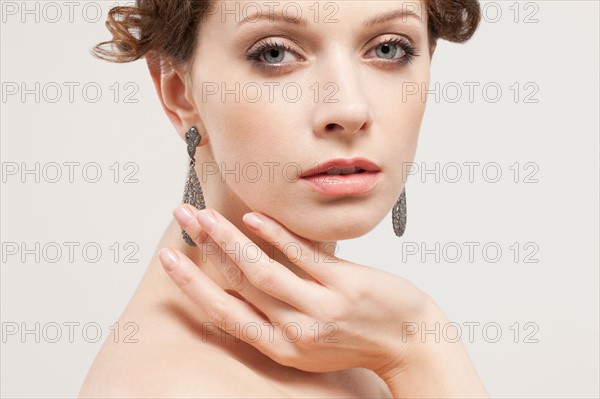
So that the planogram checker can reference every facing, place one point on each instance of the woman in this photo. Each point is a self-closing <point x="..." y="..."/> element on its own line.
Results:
<point x="298" y="118"/>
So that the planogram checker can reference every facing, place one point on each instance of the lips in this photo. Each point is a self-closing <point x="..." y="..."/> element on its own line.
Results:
<point x="342" y="166"/>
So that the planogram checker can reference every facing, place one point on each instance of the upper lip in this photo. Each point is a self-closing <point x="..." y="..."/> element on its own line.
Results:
<point x="342" y="163"/>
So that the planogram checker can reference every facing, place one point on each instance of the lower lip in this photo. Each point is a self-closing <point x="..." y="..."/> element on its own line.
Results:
<point x="343" y="185"/>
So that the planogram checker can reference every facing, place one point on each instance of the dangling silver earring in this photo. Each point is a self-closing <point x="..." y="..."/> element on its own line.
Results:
<point x="193" y="192"/>
<point x="399" y="214"/>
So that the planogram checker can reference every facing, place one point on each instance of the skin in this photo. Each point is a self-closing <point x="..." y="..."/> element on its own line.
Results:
<point x="178" y="303"/>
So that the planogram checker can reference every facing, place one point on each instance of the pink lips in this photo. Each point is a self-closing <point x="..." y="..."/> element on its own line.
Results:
<point x="356" y="183"/>
<point x="342" y="163"/>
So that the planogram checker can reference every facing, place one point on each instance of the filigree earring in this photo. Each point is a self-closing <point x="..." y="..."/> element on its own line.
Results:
<point x="399" y="214"/>
<point x="193" y="192"/>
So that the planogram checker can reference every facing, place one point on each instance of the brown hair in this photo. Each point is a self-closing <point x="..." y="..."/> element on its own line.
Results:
<point x="169" y="28"/>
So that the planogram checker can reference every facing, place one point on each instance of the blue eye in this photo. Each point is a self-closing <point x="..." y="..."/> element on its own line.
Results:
<point x="386" y="50"/>
<point x="273" y="53"/>
<point x="397" y="47"/>
<point x="398" y="50"/>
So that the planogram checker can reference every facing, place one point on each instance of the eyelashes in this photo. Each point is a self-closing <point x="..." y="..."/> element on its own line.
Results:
<point x="410" y="51"/>
<point x="404" y="47"/>
<point x="255" y="55"/>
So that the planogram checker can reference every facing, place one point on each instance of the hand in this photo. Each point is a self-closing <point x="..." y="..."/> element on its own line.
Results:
<point x="344" y="316"/>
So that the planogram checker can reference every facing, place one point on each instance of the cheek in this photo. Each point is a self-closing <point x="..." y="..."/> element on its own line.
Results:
<point x="398" y="114"/>
<point x="251" y="145"/>
<point x="411" y="111"/>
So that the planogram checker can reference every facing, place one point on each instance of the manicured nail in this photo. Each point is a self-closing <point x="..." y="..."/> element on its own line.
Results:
<point x="169" y="258"/>
<point x="183" y="214"/>
<point x="253" y="220"/>
<point x="206" y="220"/>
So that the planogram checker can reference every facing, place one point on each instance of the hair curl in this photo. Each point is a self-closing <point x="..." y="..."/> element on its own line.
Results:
<point x="169" y="28"/>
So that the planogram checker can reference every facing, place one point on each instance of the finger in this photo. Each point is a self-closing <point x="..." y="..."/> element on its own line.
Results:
<point x="271" y="307"/>
<point x="227" y="312"/>
<point x="185" y="216"/>
<point x="240" y="297"/>
<point x="307" y="255"/>
<point x="265" y="274"/>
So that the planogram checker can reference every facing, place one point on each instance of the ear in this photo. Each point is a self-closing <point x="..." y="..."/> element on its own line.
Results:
<point x="174" y="93"/>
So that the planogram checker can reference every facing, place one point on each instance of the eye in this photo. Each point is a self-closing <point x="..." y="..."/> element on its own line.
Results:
<point x="397" y="50"/>
<point x="269" y="55"/>
<point x="270" y="52"/>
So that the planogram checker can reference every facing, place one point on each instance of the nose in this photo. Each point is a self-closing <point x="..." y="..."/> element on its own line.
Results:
<point x="342" y="108"/>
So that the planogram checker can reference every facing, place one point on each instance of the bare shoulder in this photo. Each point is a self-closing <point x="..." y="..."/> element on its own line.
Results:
<point x="167" y="358"/>
<point x="171" y="356"/>
<point x="179" y="367"/>
<point x="171" y="371"/>
<point x="178" y="378"/>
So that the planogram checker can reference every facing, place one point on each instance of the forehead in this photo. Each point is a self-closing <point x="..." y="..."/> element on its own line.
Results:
<point x="361" y="14"/>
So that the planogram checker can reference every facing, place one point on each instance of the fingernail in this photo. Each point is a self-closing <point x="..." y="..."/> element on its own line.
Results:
<point x="253" y="220"/>
<point x="169" y="258"/>
<point x="183" y="214"/>
<point x="205" y="219"/>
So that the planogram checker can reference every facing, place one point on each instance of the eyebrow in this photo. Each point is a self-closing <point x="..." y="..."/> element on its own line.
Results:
<point x="377" y="19"/>
<point x="389" y="15"/>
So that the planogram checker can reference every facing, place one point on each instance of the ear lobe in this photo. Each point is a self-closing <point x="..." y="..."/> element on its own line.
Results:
<point x="171" y="89"/>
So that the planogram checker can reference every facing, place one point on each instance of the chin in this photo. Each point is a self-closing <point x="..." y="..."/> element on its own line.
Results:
<point x="335" y="232"/>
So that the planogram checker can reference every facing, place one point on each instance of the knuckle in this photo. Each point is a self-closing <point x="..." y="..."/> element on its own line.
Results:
<point x="277" y="235"/>
<point x="234" y="276"/>
<point x="287" y="355"/>
<point x="185" y="280"/>
<point x="306" y="338"/>
<point x="304" y="256"/>
<point x="262" y="277"/>
<point x="355" y="290"/>
<point x="216" y="313"/>
<point x="358" y="293"/>
<point x="299" y="333"/>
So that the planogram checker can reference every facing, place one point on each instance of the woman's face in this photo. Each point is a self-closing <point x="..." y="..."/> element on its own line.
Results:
<point x="277" y="98"/>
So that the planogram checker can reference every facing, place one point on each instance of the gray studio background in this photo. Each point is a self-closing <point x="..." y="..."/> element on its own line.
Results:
<point x="536" y="301"/>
